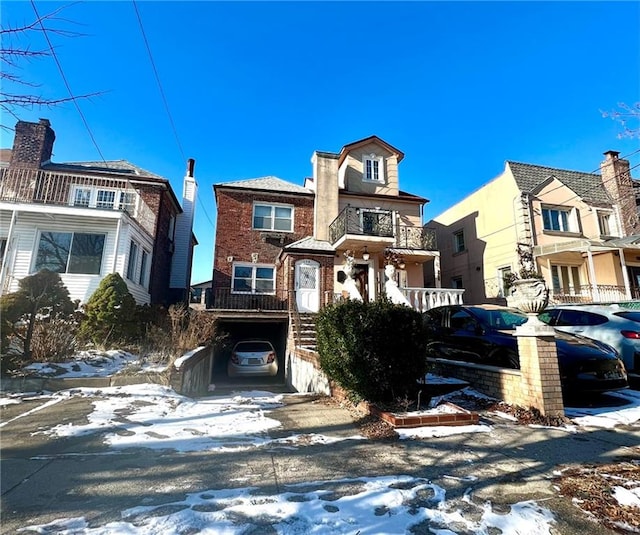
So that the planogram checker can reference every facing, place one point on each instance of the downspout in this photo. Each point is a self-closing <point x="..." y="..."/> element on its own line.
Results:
<point x="7" y="250"/>
<point x="114" y="267"/>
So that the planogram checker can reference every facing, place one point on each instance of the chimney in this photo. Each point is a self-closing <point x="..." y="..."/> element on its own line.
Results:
<point x="616" y="178"/>
<point x="32" y="144"/>
<point x="183" y="252"/>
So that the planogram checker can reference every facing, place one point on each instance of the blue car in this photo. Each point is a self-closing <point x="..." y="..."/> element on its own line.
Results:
<point x="484" y="334"/>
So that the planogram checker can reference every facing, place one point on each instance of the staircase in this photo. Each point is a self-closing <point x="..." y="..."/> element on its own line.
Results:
<point x="306" y="330"/>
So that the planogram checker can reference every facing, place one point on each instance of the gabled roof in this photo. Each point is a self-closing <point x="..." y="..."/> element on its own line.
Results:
<point x="265" y="183"/>
<point x="587" y="185"/>
<point x="120" y="167"/>
<point x="362" y="142"/>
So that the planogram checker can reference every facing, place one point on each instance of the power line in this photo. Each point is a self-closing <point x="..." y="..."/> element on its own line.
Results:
<point x="155" y="72"/>
<point x="64" y="79"/>
<point x="164" y="100"/>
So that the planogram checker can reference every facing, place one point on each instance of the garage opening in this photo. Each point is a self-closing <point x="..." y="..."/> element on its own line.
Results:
<point x="250" y="373"/>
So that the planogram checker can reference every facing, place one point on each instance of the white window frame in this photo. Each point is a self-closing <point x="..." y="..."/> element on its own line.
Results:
<point x="132" y="261"/>
<point x="92" y="192"/>
<point x="459" y="246"/>
<point x="568" y="223"/>
<point x="272" y="217"/>
<point x="503" y="271"/>
<point x="254" y="268"/>
<point x="373" y="159"/>
<point x="568" y="277"/>
<point x="145" y="266"/>
<point x="606" y="223"/>
<point x="66" y="271"/>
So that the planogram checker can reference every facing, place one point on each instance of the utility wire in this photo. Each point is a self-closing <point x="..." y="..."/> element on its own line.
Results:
<point x="155" y="72"/>
<point x="164" y="100"/>
<point x="64" y="79"/>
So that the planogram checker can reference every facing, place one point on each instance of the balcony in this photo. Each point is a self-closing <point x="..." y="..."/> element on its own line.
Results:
<point x="600" y="293"/>
<point x="360" y="225"/>
<point x="225" y="299"/>
<point x="33" y="186"/>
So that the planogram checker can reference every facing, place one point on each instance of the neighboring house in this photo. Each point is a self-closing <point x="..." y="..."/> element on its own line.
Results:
<point x="580" y="228"/>
<point x="200" y="295"/>
<point x="280" y="247"/>
<point x="85" y="220"/>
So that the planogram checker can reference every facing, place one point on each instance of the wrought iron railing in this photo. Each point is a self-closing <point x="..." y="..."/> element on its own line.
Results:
<point x="361" y="222"/>
<point x="364" y="222"/>
<point x="35" y="186"/>
<point x="226" y="299"/>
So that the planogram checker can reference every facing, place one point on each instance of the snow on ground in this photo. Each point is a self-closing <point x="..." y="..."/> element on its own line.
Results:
<point x="92" y="364"/>
<point x="156" y="417"/>
<point x="392" y="504"/>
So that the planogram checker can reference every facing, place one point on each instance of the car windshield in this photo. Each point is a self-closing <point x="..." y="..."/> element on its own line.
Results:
<point x="253" y="347"/>
<point x="501" y="318"/>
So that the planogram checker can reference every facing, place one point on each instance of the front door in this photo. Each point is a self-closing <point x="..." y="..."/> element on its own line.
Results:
<point x="308" y="285"/>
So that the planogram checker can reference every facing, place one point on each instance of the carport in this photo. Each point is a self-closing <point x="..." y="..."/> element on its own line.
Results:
<point x="273" y="329"/>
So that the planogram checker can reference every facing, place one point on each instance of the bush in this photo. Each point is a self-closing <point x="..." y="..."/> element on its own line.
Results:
<point x="171" y="333"/>
<point x="375" y="351"/>
<point x="110" y="314"/>
<point x="41" y="298"/>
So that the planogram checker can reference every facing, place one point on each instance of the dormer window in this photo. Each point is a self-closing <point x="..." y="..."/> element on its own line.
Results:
<point x="373" y="168"/>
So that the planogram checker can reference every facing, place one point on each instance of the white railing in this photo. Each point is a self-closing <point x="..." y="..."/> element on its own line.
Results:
<point x="35" y="186"/>
<point x="423" y="299"/>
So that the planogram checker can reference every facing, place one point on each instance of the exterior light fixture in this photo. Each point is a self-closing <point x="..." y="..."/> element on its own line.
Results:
<point x="365" y="254"/>
<point x="401" y="263"/>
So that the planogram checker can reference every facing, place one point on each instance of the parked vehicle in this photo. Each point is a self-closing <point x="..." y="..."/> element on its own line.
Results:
<point x="485" y="334"/>
<point x="614" y="325"/>
<point x="254" y="358"/>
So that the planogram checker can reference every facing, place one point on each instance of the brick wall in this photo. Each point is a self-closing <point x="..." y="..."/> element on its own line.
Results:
<point x="32" y="144"/>
<point x="235" y="237"/>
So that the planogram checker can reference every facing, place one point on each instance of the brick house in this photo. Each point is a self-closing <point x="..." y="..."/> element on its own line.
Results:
<point x="85" y="220"/>
<point x="281" y="249"/>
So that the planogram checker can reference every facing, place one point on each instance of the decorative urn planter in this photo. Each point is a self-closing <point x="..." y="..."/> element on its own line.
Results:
<point x="529" y="295"/>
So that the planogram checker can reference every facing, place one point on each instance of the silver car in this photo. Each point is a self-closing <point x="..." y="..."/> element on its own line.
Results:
<point x="253" y="357"/>
<point x="614" y="325"/>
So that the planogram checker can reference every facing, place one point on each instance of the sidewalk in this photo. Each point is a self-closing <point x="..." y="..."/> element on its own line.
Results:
<point x="313" y="474"/>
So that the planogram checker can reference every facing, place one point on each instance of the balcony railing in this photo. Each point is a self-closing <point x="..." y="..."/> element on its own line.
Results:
<point x="601" y="293"/>
<point x="225" y="299"/>
<point x="364" y="222"/>
<point x="423" y="299"/>
<point x="34" y="186"/>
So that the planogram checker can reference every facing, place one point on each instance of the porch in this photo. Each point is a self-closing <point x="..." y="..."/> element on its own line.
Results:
<point x="82" y="192"/>
<point x="283" y="301"/>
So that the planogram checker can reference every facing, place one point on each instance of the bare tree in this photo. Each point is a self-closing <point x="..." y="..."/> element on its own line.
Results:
<point x="628" y="116"/>
<point x="16" y="92"/>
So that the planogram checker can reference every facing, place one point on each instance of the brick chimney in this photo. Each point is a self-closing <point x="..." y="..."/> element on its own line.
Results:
<point x="32" y="144"/>
<point x="616" y="177"/>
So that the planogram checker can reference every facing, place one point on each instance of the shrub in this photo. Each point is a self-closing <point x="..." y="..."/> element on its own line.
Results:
<point x="171" y="333"/>
<point x="110" y="314"/>
<point x="41" y="298"/>
<point x="375" y="351"/>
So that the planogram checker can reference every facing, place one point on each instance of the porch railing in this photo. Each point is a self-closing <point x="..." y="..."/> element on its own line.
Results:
<point x="35" y="186"/>
<point x="226" y="299"/>
<point x="423" y="299"/>
<point x="601" y="293"/>
<point x="363" y="222"/>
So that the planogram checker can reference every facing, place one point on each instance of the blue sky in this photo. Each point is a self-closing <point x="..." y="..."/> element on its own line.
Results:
<point x="253" y="88"/>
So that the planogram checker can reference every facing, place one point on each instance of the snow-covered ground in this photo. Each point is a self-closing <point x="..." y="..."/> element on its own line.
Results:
<point x="159" y="418"/>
